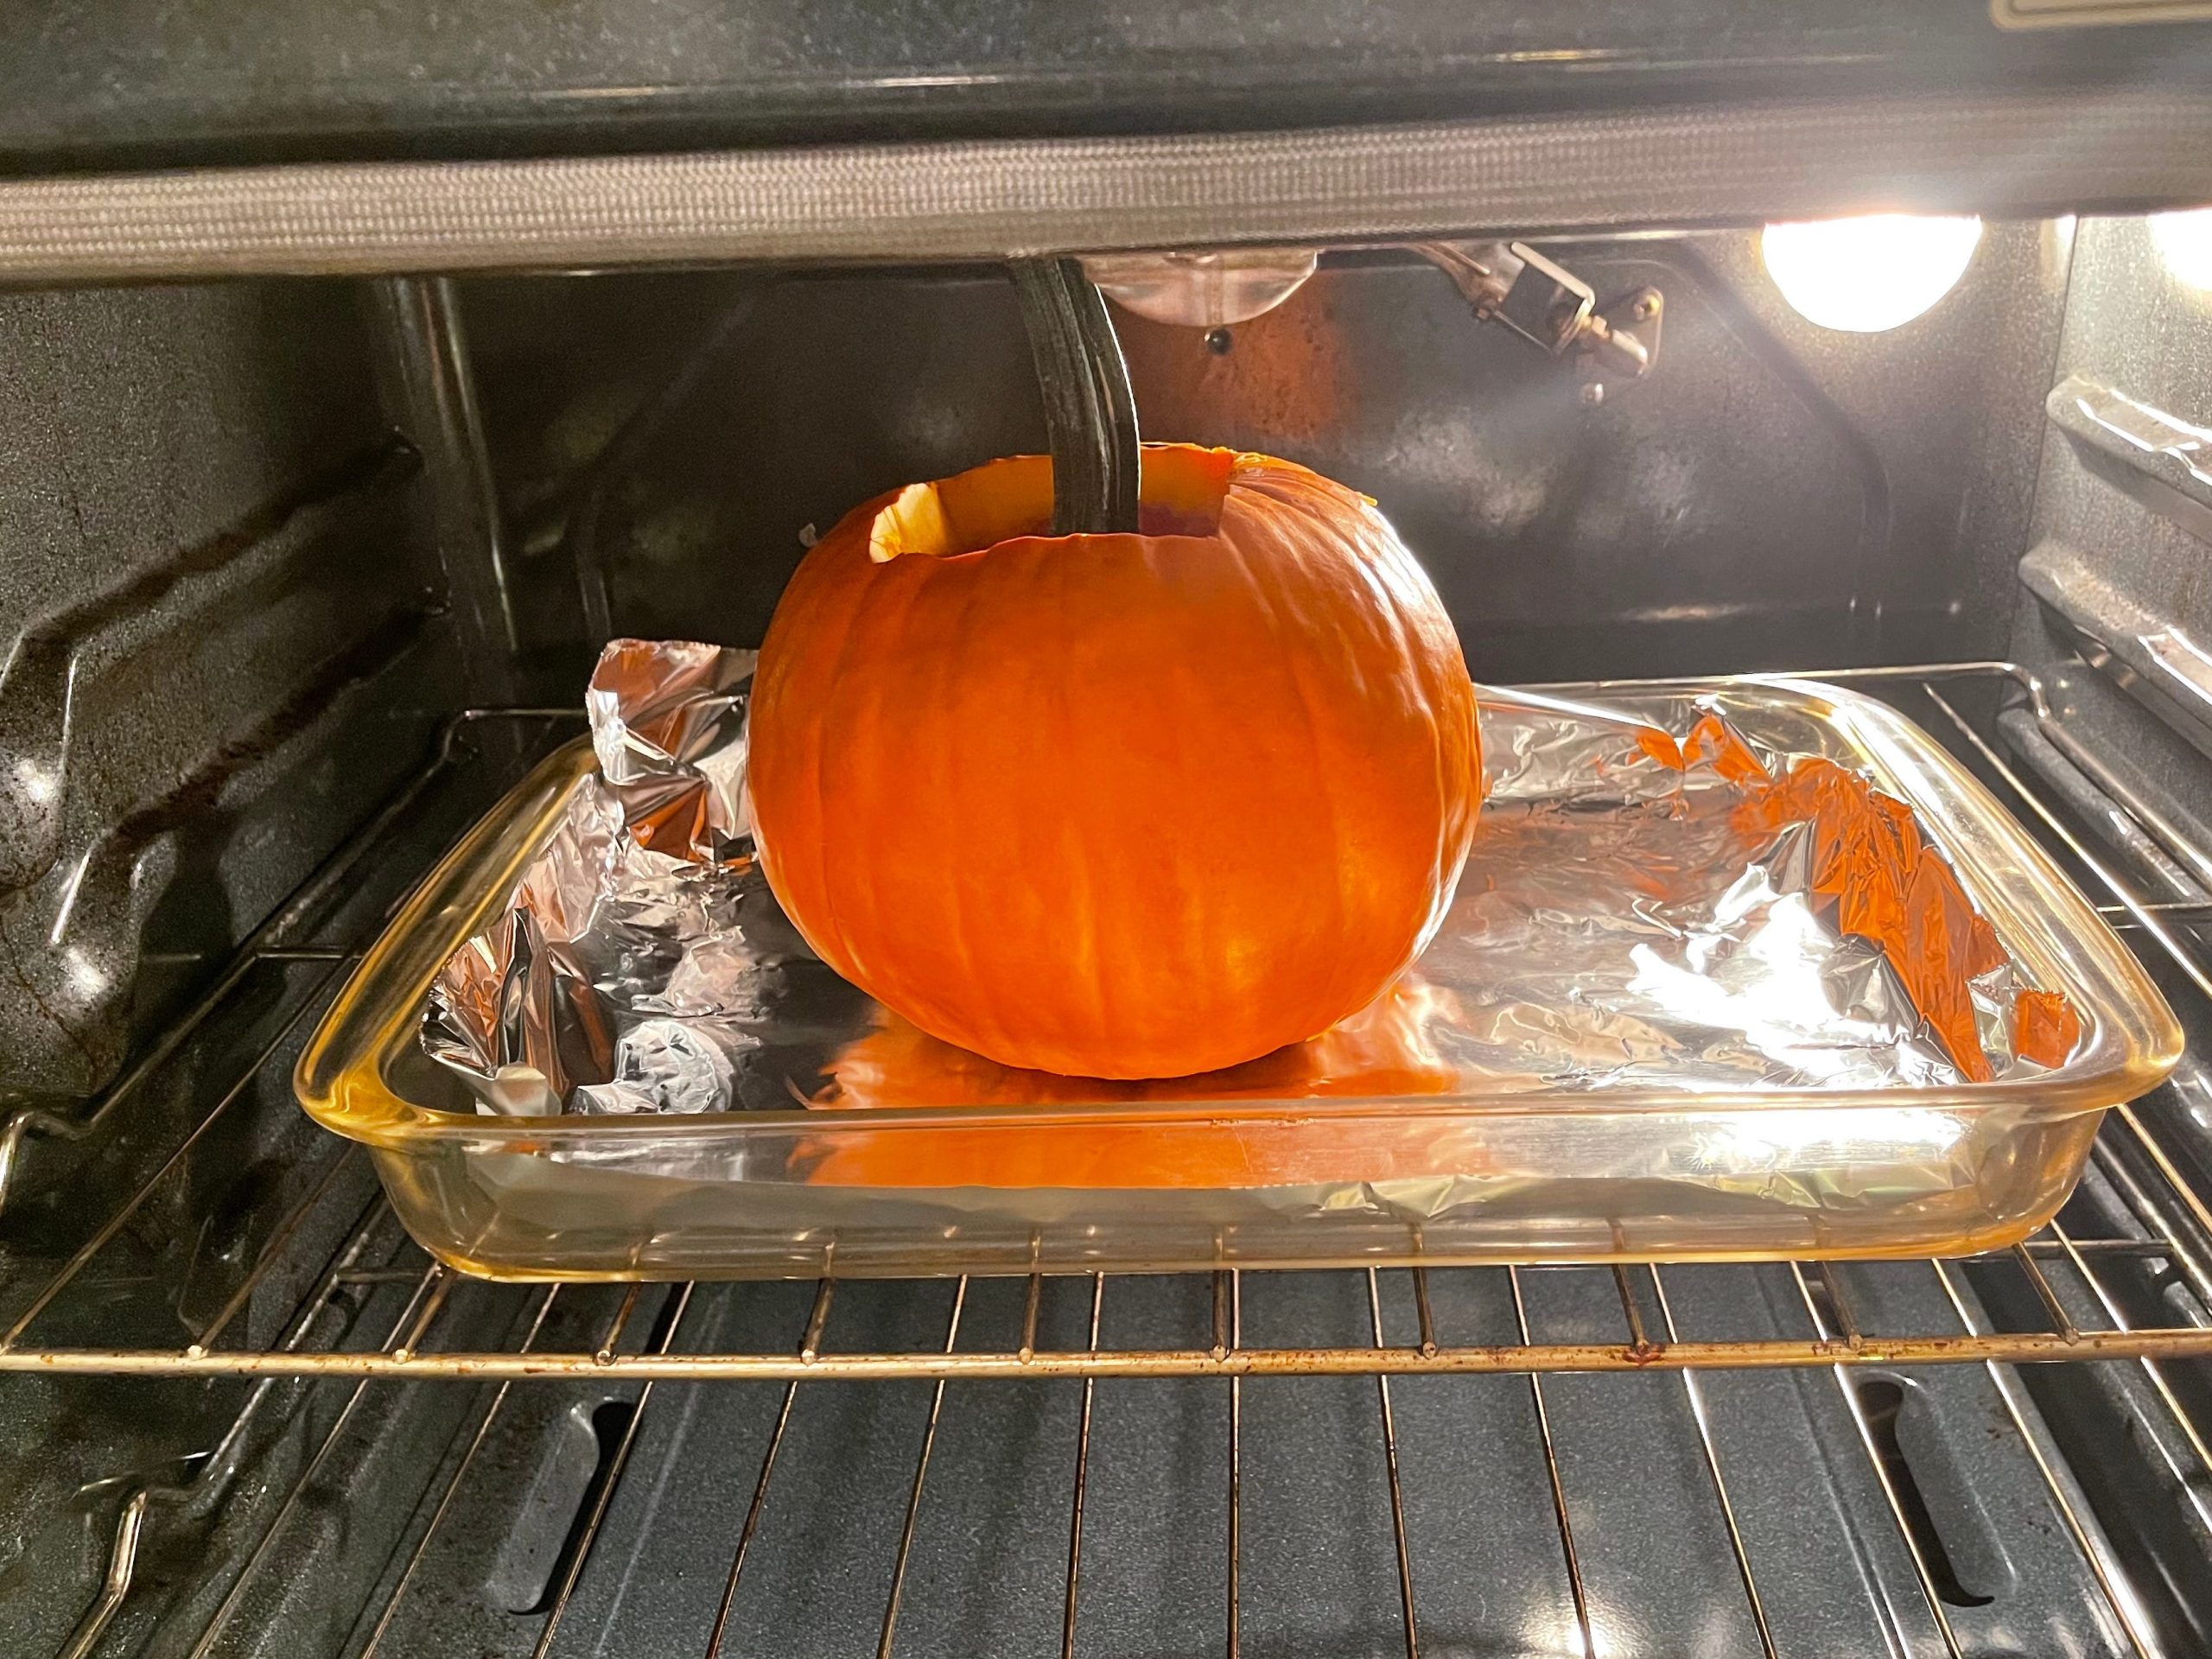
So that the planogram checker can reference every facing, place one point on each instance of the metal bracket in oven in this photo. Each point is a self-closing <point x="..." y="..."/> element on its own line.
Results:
<point x="1551" y="308"/>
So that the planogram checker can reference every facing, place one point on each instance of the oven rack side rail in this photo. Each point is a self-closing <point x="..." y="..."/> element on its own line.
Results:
<point x="2171" y="1225"/>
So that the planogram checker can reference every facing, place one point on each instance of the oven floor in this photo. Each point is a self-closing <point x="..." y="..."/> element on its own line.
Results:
<point x="435" y="1520"/>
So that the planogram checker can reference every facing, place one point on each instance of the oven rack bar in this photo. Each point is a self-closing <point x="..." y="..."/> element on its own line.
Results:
<point x="1827" y="1313"/>
<point x="1636" y="1352"/>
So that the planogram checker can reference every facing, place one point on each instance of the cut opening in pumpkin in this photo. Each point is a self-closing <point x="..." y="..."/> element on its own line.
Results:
<point x="1180" y="489"/>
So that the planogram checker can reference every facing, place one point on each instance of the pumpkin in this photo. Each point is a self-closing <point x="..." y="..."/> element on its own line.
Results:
<point x="1131" y="806"/>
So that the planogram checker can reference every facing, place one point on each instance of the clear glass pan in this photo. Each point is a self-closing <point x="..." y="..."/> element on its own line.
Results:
<point x="1511" y="1170"/>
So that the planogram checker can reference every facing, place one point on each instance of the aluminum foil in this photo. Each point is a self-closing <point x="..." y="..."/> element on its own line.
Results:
<point x="643" y="965"/>
<point x="1623" y="920"/>
<point x="668" y="725"/>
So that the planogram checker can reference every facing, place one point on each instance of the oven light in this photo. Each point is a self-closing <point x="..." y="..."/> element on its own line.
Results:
<point x="2184" y="242"/>
<point x="1865" y="274"/>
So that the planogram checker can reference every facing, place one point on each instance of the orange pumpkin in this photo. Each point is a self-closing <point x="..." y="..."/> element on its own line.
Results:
<point x="1117" y="805"/>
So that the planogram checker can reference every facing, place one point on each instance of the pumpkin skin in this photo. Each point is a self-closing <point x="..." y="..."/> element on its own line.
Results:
<point x="1121" y="806"/>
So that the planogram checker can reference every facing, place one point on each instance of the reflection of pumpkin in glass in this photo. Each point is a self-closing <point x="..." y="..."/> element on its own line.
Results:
<point x="1125" y="806"/>
<point x="1385" y="1051"/>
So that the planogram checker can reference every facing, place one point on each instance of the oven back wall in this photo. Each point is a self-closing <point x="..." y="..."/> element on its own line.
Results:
<point x="1774" y="494"/>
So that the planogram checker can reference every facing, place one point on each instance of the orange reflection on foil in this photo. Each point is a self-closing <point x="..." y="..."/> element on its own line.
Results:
<point x="1883" y="882"/>
<point x="1382" y="1052"/>
<point x="1660" y="747"/>
<point x="2044" y="1027"/>
<point x="1714" y="738"/>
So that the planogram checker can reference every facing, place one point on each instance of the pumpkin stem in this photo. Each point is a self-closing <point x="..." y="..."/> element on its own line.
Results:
<point x="1091" y="414"/>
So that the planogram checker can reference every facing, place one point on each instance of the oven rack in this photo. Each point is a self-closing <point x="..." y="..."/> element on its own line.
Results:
<point x="2084" y="1274"/>
<point x="2169" y="1225"/>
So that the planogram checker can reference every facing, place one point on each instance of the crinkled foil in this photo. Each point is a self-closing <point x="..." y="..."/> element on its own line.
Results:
<point x="1621" y="922"/>
<point x="668" y="725"/>
<point x="644" y="966"/>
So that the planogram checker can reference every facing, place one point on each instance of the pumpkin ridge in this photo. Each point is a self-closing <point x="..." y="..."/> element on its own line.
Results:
<point x="1339" y="927"/>
<point x="952" y="667"/>
<point x="838" y="835"/>
<point x="1087" y="924"/>
<point x="1415" y="581"/>
<point x="811" y="759"/>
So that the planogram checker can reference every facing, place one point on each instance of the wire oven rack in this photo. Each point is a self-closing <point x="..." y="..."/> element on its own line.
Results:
<point x="2159" y="1222"/>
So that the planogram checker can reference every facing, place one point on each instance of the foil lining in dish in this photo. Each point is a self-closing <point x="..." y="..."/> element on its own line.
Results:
<point x="1640" y="909"/>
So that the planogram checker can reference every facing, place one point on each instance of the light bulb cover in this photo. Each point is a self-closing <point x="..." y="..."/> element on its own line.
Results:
<point x="2184" y="242"/>
<point x="1865" y="274"/>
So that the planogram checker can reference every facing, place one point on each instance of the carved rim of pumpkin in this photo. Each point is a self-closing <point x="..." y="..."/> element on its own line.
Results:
<point x="1180" y="490"/>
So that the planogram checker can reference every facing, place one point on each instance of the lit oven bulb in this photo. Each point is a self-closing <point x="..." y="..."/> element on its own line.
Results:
<point x="1862" y="276"/>
<point x="2184" y="242"/>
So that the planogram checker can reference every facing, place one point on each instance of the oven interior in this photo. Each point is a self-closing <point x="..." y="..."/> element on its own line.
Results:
<point x="300" y="575"/>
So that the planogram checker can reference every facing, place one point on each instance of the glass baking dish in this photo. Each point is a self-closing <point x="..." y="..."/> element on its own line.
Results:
<point x="1197" y="1174"/>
